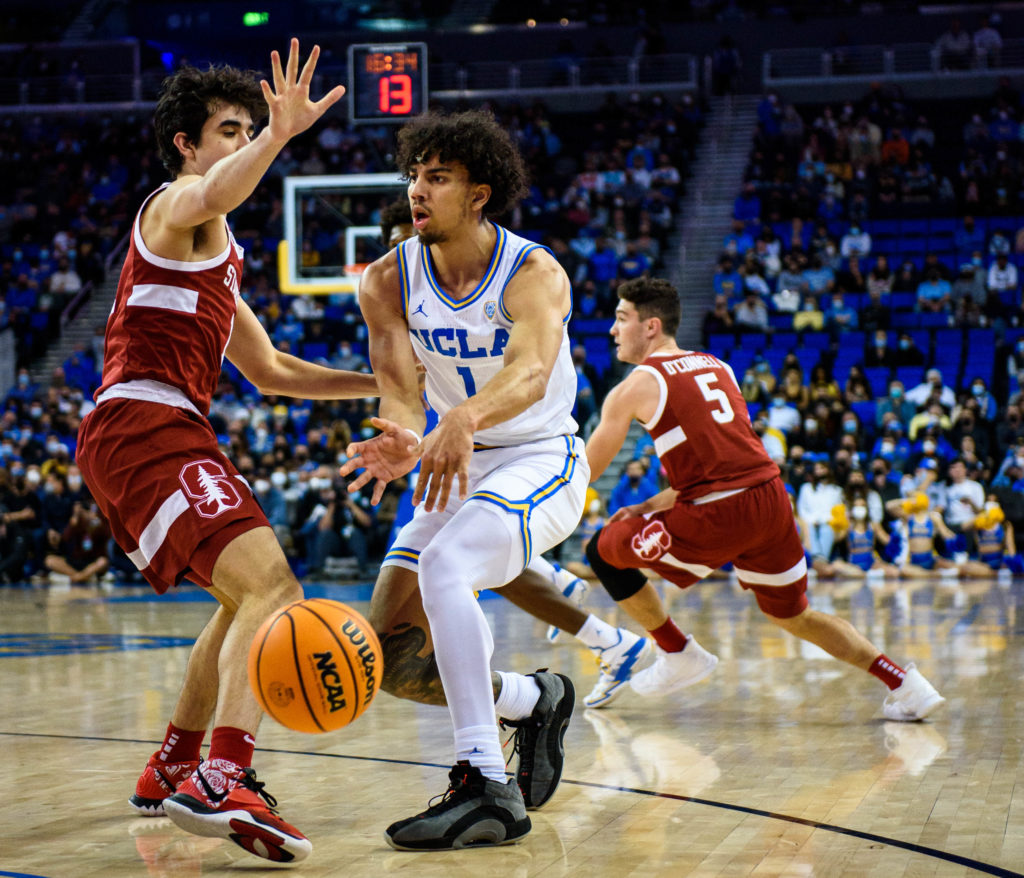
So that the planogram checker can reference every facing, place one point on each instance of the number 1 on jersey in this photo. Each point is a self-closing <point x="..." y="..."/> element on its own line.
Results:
<point x="467" y="378"/>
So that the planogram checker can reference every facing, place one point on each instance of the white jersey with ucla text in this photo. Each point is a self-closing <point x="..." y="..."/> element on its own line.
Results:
<point x="462" y="343"/>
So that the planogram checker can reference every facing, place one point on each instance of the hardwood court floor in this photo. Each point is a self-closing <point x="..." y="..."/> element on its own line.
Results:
<point x="779" y="764"/>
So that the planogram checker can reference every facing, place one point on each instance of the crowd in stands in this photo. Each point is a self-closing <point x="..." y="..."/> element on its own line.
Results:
<point x="605" y="191"/>
<point x="868" y="298"/>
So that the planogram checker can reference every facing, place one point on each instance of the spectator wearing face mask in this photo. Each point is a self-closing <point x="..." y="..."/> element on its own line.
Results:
<point x="934" y="293"/>
<point x="967" y="425"/>
<point x="636" y="485"/>
<point x="272" y="500"/>
<point x="24" y="390"/>
<point x="840" y="317"/>
<point x="986" y="403"/>
<point x="1003" y="280"/>
<point x="907" y="351"/>
<point x="79" y="555"/>
<point x="931" y="444"/>
<point x="892" y="446"/>
<point x="879" y="353"/>
<point x="882" y="485"/>
<point x="965" y="497"/>
<point x="781" y="415"/>
<point x="863" y="537"/>
<point x="925" y="480"/>
<point x="856" y="242"/>
<point x="751" y="315"/>
<point x="932" y="383"/>
<point x="814" y="504"/>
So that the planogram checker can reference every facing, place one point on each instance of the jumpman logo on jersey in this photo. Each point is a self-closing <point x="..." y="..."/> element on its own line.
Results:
<point x="419" y="310"/>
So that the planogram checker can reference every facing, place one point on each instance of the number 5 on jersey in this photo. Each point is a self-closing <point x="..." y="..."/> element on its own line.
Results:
<point x="721" y="415"/>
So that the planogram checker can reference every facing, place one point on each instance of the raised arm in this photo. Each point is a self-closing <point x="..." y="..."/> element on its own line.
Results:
<point x="275" y="372"/>
<point x="193" y="200"/>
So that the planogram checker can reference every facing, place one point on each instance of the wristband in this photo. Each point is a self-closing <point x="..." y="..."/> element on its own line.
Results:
<point x="419" y="438"/>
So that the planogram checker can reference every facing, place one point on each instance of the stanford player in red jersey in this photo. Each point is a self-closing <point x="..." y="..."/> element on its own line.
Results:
<point x="176" y="504"/>
<point x="725" y="503"/>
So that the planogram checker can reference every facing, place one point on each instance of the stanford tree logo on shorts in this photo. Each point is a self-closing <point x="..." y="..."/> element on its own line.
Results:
<point x="652" y="542"/>
<point x="211" y="490"/>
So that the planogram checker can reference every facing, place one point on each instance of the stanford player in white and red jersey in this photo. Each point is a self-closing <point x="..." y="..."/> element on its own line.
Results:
<point x="171" y="321"/>
<point x="175" y="503"/>
<point x="726" y="502"/>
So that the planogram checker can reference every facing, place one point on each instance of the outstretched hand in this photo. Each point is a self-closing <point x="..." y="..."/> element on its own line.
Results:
<point x="385" y="457"/>
<point x="291" y="110"/>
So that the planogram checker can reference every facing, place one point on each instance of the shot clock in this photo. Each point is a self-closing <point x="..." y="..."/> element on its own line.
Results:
<point x="387" y="82"/>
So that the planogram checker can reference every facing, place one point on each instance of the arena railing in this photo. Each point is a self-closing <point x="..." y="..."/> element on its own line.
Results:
<point x="916" y="65"/>
<point x="582" y="81"/>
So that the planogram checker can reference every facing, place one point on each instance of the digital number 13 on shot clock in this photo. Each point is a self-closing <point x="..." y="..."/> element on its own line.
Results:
<point x="387" y="82"/>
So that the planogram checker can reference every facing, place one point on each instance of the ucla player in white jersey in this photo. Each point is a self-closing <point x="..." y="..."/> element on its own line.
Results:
<point x="544" y="590"/>
<point x="502" y="475"/>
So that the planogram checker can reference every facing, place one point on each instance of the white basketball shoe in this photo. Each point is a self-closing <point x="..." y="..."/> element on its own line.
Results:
<point x="673" y="671"/>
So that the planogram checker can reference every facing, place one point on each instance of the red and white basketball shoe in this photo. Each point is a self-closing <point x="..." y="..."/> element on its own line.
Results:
<point x="158" y="781"/>
<point x="223" y="800"/>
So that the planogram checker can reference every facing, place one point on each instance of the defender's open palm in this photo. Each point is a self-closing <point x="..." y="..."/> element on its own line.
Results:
<point x="291" y="110"/>
<point x="387" y="456"/>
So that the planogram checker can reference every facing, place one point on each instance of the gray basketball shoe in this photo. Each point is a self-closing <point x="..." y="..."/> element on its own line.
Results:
<point x="474" y="812"/>
<point x="539" y="738"/>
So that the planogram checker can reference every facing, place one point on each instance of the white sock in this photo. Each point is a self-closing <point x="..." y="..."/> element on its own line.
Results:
<point x="479" y="746"/>
<point x="518" y="696"/>
<point x="597" y="634"/>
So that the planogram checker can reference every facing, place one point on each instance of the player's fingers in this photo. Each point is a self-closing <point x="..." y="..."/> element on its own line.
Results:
<point x="362" y="479"/>
<point x="352" y="464"/>
<point x="378" y="491"/>
<point x="330" y="99"/>
<point x="268" y="92"/>
<point x="434" y="488"/>
<point x="293" y="60"/>
<point x="421" y="486"/>
<point x="276" y="72"/>
<point x="445" y="491"/>
<point x="307" y="69"/>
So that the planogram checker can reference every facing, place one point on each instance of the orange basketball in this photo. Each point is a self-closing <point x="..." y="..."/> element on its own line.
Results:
<point x="315" y="665"/>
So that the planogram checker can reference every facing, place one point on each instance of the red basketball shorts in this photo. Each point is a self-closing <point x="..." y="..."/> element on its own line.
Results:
<point x="173" y="500"/>
<point x="753" y="529"/>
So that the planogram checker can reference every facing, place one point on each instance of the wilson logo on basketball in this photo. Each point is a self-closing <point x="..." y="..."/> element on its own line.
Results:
<point x="330" y="681"/>
<point x="209" y="487"/>
<point x="652" y="542"/>
<point x="280" y="694"/>
<point x="367" y="655"/>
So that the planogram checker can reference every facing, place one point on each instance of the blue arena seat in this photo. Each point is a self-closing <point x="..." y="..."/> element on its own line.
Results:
<point x="784" y="341"/>
<point x="865" y="412"/>
<point x="816" y="340"/>
<point x="911" y="376"/>
<point x="902" y="301"/>
<point x="878" y="378"/>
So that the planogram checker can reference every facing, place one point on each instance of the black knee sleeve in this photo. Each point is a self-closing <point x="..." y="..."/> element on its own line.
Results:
<point x="620" y="584"/>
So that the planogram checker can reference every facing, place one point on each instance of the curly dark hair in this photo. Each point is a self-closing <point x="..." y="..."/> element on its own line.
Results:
<point x="653" y="297"/>
<point x="475" y="139"/>
<point x="190" y="96"/>
<point x="398" y="213"/>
